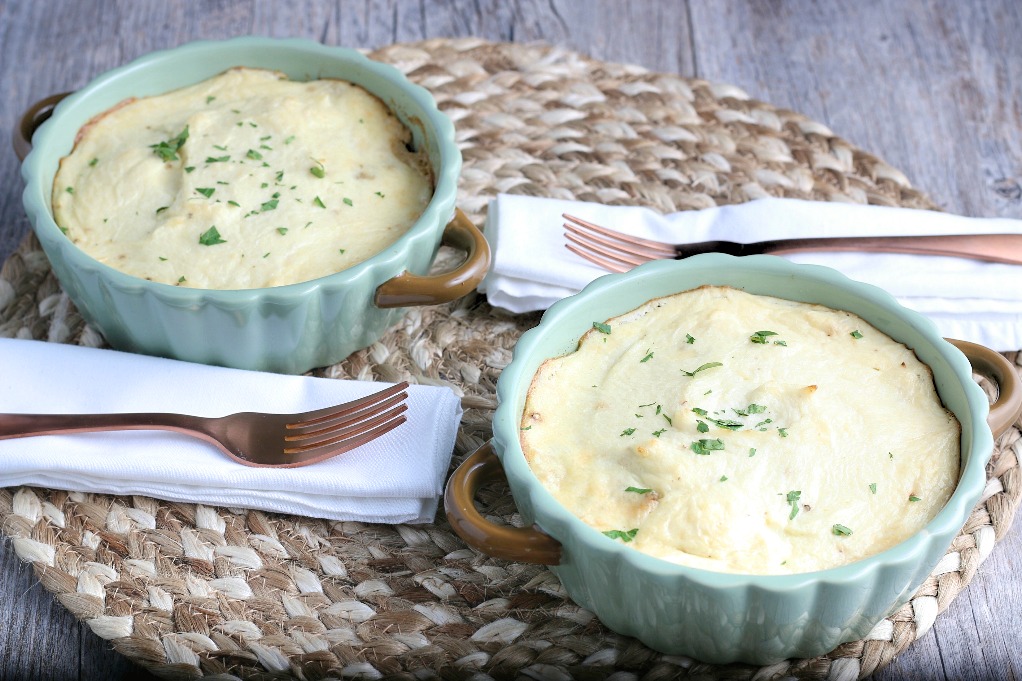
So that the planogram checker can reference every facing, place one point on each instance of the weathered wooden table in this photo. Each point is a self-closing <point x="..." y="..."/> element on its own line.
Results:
<point x="933" y="87"/>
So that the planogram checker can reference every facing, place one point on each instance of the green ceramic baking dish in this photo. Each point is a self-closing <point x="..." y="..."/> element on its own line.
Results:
<point x="716" y="617"/>
<point x="287" y="329"/>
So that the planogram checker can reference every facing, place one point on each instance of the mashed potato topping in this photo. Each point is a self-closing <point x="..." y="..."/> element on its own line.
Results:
<point x="742" y="433"/>
<point x="245" y="180"/>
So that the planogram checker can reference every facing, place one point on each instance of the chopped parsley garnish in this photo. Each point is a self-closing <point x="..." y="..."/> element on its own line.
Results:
<point x="189" y="169"/>
<point x="318" y="171"/>
<point x="792" y="499"/>
<point x="289" y="140"/>
<point x="783" y="432"/>
<point x="689" y="339"/>
<point x="697" y="410"/>
<point x="234" y="203"/>
<point x="69" y="190"/>
<point x="840" y="530"/>
<point x="751" y="409"/>
<point x="649" y="356"/>
<point x="161" y="209"/>
<point x="873" y="487"/>
<point x="93" y="162"/>
<point x="658" y="433"/>
<point x="704" y="447"/>
<point x="210" y="98"/>
<point x="703" y="367"/>
<point x="723" y="478"/>
<point x="914" y="498"/>
<point x="380" y="194"/>
<point x="638" y="490"/>
<point x="211" y="237"/>
<point x="206" y="191"/>
<point x="622" y="535"/>
<point x="319" y="202"/>
<point x="218" y="159"/>
<point x="856" y="334"/>
<point x="347" y="202"/>
<point x="601" y="327"/>
<point x="282" y="230"/>
<point x="268" y="205"/>
<point x="167" y="150"/>
<point x="752" y="452"/>
<point x="726" y="423"/>
<point x="627" y="431"/>
<point x="702" y="427"/>
<point x="254" y="155"/>
<point x="760" y="337"/>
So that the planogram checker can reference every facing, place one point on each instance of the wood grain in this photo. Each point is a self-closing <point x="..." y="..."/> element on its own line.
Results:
<point x="933" y="87"/>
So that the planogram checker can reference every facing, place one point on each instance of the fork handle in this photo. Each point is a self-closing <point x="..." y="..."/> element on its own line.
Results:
<point x="1003" y="248"/>
<point x="24" y="425"/>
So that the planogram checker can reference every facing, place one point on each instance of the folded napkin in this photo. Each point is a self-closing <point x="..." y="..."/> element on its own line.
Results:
<point x="967" y="299"/>
<point x="397" y="478"/>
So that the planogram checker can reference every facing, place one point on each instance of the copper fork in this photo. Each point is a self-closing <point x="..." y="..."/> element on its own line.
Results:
<point x="250" y="438"/>
<point x="619" y="252"/>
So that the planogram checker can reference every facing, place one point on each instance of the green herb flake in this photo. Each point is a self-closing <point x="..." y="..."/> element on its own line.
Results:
<point x="755" y="408"/>
<point x="761" y="336"/>
<point x="783" y="432"/>
<point x="703" y="367"/>
<point x="254" y="155"/>
<point x="723" y="478"/>
<point x="318" y="171"/>
<point x="527" y="428"/>
<point x="319" y="202"/>
<point x="752" y="452"/>
<point x="282" y="230"/>
<point x="689" y="338"/>
<point x="162" y="259"/>
<point x="69" y="190"/>
<point x="873" y="487"/>
<point x="211" y="237"/>
<point x="601" y="327"/>
<point x="234" y="203"/>
<point x="649" y="356"/>
<point x="840" y="530"/>
<point x="792" y="499"/>
<point x="167" y="150"/>
<point x="856" y="334"/>
<point x="206" y="191"/>
<point x="380" y="194"/>
<point x="181" y="279"/>
<point x="700" y="412"/>
<point x="914" y="498"/>
<point x="726" y="423"/>
<point x="93" y="162"/>
<point x="347" y="201"/>
<point x="638" y="490"/>
<point x="210" y="98"/>
<point x="268" y="205"/>
<point x="702" y="427"/>
<point x="289" y="139"/>
<point x="161" y="209"/>
<point x="625" y="536"/>
<point x="705" y="446"/>
<point x="627" y="431"/>
<point x="658" y="433"/>
<point x="218" y="159"/>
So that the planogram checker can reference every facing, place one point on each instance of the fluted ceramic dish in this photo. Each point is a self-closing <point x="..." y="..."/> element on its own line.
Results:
<point x="717" y="617"/>
<point x="287" y="329"/>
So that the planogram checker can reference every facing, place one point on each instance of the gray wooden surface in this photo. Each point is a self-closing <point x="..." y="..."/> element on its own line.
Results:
<point x="935" y="88"/>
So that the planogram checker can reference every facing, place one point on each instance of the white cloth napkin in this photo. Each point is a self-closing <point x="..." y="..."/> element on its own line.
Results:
<point x="967" y="299"/>
<point x="397" y="478"/>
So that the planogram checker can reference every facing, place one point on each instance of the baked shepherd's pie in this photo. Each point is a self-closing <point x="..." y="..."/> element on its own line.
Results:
<point x="743" y="433"/>
<point x="245" y="180"/>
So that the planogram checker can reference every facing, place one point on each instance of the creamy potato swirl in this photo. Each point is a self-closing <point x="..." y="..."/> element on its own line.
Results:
<point x="245" y="180"/>
<point x="743" y="433"/>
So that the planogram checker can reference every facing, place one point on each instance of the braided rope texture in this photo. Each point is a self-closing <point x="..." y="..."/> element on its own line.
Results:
<point x="189" y="591"/>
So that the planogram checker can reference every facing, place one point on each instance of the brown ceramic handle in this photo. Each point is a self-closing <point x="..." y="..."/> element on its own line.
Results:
<point x="1008" y="406"/>
<point x="411" y="289"/>
<point x="33" y="117"/>
<point x="521" y="544"/>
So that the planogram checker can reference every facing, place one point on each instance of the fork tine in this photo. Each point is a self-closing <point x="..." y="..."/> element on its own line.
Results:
<point x="343" y="418"/>
<point x="605" y="263"/>
<point x="629" y="259"/>
<point x="665" y="250"/>
<point x="326" y="451"/>
<point x="339" y="410"/>
<point x="340" y="437"/>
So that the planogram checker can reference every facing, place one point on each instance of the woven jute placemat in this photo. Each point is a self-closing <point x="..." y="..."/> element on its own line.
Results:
<point x="188" y="590"/>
